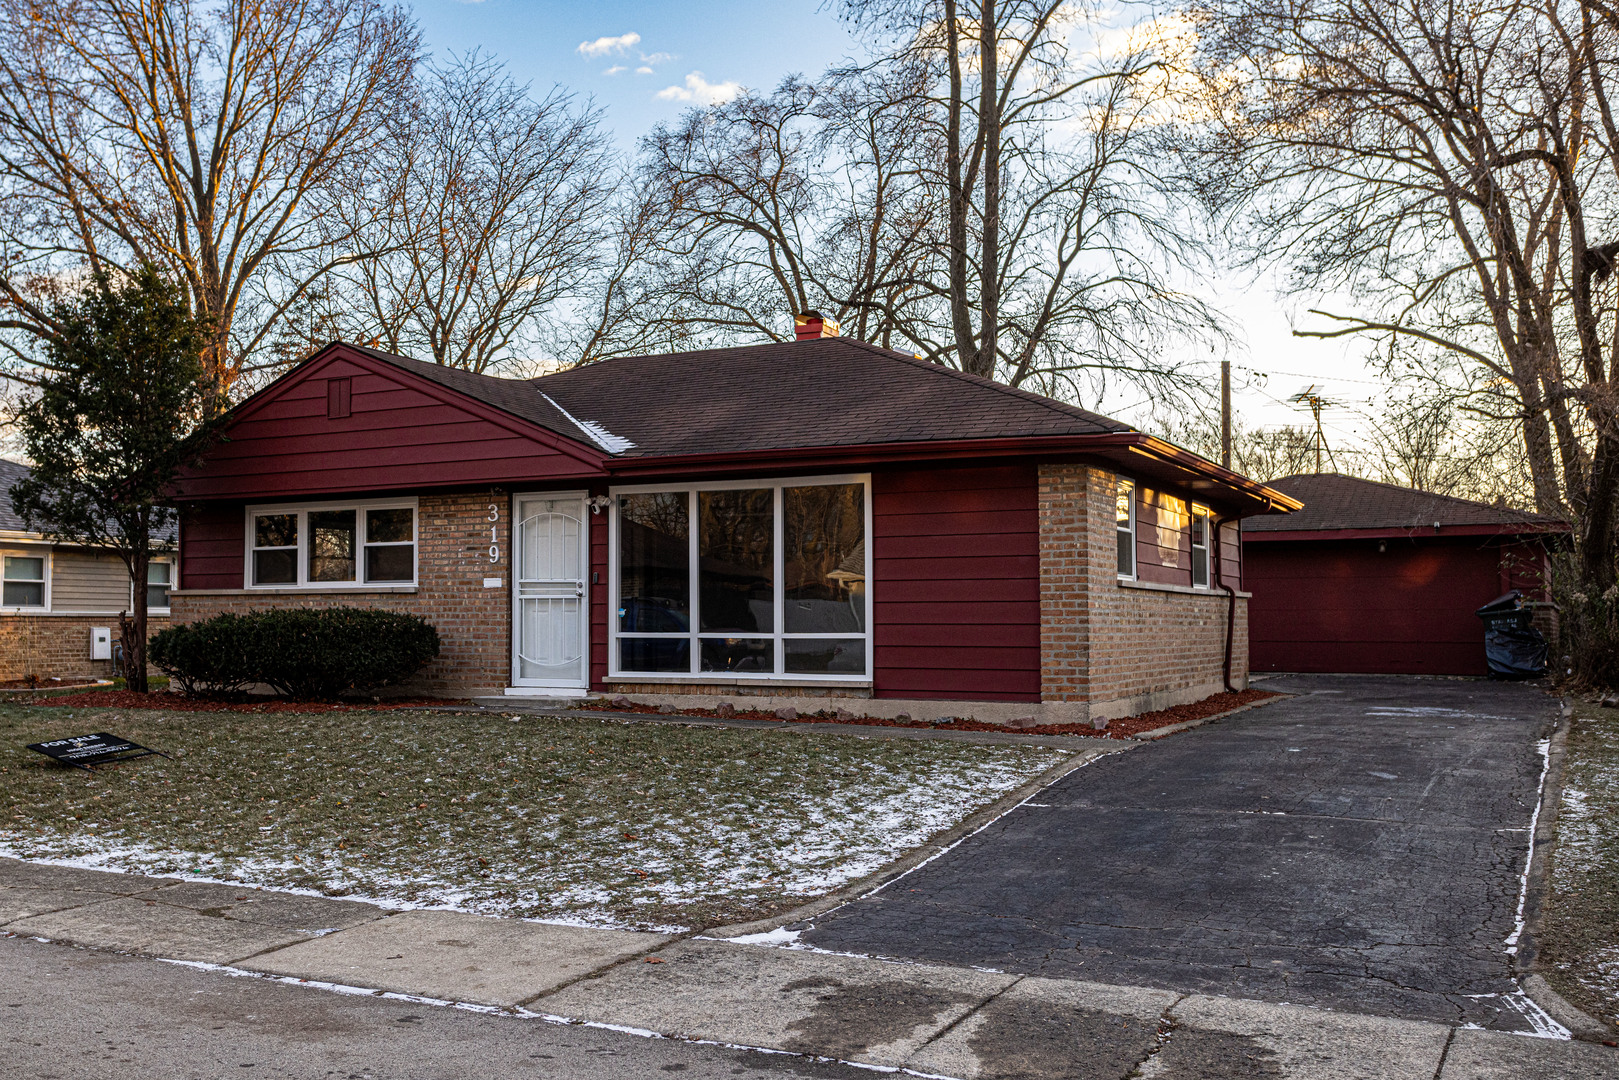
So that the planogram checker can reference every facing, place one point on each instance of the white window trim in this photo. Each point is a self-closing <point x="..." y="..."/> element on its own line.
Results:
<point x="1197" y="510"/>
<point x="303" y="509"/>
<point x="1135" y="555"/>
<point x="29" y="553"/>
<point x="780" y="675"/>
<point x="174" y="583"/>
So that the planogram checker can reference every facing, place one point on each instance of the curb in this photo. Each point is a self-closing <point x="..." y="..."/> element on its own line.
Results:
<point x="1185" y="725"/>
<point x="1581" y="1024"/>
<point x="917" y="856"/>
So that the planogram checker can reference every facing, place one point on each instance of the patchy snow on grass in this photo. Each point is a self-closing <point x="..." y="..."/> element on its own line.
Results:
<point x="598" y="823"/>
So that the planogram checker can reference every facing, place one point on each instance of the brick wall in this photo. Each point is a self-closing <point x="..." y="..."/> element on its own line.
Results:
<point x="452" y="559"/>
<point x="46" y="645"/>
<point x="1118" y="648"/>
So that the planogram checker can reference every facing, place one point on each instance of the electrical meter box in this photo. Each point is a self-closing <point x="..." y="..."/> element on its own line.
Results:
<point x="101" y="643"/>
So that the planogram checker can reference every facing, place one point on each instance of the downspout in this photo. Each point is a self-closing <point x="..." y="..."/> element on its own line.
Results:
<point x="1231" y="597"/>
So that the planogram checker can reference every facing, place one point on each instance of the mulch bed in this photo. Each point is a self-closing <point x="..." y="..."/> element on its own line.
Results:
<point x="1122" y="728"/>
<point x="129" y="699"/>
<point x="45" y="684"/>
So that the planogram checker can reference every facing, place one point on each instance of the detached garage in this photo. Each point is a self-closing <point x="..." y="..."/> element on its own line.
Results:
<point x="1375" y="578"/>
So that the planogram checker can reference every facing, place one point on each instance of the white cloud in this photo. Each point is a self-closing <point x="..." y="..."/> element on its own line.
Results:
<point x="604" y="46"/>
<point x="700" y="90"/>
<point x="656" y="58"/>
<point x="615" y="69"/>
<point x="643" y="70"/>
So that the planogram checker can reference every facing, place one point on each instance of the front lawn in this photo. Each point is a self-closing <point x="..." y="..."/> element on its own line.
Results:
<point x="595" y="821"/>
<point x="1579" y="939"/>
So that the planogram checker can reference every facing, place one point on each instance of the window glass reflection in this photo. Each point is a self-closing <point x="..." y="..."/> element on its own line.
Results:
<point x="331" y="545"/>
<point x="824" y="564"/>
<point x="734" y="552"/>
<point x="739" y="654"/>
<point x="826" y="656"/>
<point x="654" y="581"/>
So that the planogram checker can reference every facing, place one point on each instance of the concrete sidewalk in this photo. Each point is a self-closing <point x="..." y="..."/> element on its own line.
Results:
<point x="940" y="1021"/>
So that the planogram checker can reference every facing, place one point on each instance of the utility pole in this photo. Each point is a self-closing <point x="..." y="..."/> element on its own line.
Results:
<point x="1225" y="414"/>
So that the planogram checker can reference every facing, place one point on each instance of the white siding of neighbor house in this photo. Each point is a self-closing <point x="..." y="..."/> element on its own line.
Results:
<point x="86" y="581"/>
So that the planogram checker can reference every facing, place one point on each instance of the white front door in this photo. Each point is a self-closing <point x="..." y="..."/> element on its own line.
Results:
<point x="551" y="623"/>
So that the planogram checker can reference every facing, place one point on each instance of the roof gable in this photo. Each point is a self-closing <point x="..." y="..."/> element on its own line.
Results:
<point x="401" y="431"/>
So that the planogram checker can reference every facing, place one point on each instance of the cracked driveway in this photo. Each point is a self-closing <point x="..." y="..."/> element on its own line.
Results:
<point x="1358" y="847"/>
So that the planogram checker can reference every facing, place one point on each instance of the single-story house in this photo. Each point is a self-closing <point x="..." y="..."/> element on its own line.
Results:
<point x="59" y="603"/>
<point x="822" y="523"/>
<point x="1376" y="578"/>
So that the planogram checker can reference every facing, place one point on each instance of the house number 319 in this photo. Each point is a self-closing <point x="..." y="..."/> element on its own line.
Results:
<point x="494" y="533"/>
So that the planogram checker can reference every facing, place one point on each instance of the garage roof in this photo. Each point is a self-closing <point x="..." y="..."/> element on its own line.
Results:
<point x="1335" y="502"/>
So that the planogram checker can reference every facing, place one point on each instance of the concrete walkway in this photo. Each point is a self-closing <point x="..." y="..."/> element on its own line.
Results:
<point x="935" y="1020"/>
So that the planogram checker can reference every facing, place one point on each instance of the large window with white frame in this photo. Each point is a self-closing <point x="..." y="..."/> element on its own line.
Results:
<point x="751" y="579"/>
<point x="159" y="580"/>
<point x="332" y="545"/>
<point x="22" y="579"/>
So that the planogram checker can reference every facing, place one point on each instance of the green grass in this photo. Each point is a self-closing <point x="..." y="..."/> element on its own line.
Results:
<point x="1579" y="936"/>
<point x="597" y="821"/>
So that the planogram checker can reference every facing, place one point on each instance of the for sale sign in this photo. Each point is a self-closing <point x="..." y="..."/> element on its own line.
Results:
<point x="84" y="751"/>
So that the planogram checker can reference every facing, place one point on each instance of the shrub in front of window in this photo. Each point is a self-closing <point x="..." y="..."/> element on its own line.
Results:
<point x="303" y="654"/>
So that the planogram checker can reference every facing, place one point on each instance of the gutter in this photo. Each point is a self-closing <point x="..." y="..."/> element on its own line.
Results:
<point x="1231" y="598"/>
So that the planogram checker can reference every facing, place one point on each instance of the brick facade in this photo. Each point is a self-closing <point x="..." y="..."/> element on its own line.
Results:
<point x="452" y="560"/>
<point x="1110" y="648"/>
<point x="45" y="645"/>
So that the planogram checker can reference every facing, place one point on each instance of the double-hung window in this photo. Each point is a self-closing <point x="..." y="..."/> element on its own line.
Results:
<point x="332" y="546"/>
<point x="22" y="583"/>
<point x="1125" y="519"/>
<point x="159" y="580"/>
<point x="750" y="579"/>
<point x="1200" y="546"/>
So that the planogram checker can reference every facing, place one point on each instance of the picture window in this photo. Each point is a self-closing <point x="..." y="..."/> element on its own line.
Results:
<point x="24" y="581"/>
<point x="332" y="546"/>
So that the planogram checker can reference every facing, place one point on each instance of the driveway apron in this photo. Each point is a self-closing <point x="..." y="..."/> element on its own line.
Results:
<point x="1359" y="847"/>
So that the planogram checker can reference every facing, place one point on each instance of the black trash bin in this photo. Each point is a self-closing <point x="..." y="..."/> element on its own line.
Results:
<point x="1512" y="648"/>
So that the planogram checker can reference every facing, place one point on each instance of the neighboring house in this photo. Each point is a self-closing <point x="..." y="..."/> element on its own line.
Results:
<point x="1371" y="577"/>
<point x="56" y="600"/>
<point x="818" y="522"/>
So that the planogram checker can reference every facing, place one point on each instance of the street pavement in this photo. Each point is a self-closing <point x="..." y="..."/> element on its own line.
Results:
<point x="1358" y="847"/>
<point x="1378" y="820"/>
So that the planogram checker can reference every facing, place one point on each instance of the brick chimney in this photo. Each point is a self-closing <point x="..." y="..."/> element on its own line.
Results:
<point x="812" y="324"/>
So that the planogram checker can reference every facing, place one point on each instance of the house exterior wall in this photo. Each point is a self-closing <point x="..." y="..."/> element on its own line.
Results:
<point x="452" y="560"/>
<point x="89" y="581"/>
<point x="1111" y="648"/>
<point x="47" y="644"/>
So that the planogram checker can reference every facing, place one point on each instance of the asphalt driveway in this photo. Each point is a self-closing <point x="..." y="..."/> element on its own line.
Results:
<point x="1358" y="847"/>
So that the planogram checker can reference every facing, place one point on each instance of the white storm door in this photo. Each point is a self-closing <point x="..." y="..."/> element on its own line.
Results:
<point x="551" y="621"/>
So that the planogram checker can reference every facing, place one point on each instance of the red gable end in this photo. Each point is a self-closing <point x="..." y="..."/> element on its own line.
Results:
<point x="377" y="428"/>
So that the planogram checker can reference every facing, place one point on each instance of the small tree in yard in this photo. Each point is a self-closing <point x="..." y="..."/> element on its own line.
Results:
<point x="118" y="412"/>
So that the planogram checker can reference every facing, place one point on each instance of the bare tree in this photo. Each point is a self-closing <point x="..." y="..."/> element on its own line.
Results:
<point x="1453" y="169"/>
<point x="202" y="138"/>
<point x="496" y="204"/>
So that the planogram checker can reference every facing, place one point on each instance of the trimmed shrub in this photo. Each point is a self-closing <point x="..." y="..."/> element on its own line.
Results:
<point x="304" y="654"/>
<point x="208" y="657"/>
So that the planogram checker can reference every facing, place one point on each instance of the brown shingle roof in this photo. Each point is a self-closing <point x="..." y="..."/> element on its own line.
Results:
<point x="10" y="473"/>
<point x="784" y="395"/>
<point x="1334" y="501"/>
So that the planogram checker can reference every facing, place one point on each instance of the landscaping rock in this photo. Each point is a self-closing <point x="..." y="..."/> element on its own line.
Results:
<point x="789" y="713"/>
<point x="724" y="710"/>
<point x="903" y="718"/>
<point x="621" y="702"/>
<point x="1023" y="722"/>
<point x="1100" y="723"/>
<point x="844" y="714"/>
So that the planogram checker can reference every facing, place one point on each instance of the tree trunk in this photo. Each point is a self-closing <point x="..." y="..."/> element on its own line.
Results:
<point x="140" y="558"/>
<point x="989" y="123"/>
<point x="957" y="194"/>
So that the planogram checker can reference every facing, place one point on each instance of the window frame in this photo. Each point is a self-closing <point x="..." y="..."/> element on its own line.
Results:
<point x="1198" y="511"/>
<point x="1124" y="484"/>
<point x="171" y="563"/>
<point x="302" y="510"/>
<point x="44" y="555"/>
<point x="778" y="636"/>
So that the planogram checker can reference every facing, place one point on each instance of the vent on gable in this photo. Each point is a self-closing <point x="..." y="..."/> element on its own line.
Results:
<point x="337" y="398"/>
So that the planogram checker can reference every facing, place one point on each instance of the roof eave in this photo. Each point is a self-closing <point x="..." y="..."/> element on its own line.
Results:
<point x="1412" y="532"/>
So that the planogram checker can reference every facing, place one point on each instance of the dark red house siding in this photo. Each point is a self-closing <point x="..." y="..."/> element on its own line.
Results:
<point x="956" y="583"/>
<point x="396" y="436"/>
<point x="212" y="546"/>
<point x="1344" y="606"/>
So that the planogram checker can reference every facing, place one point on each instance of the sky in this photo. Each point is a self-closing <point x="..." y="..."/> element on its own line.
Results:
<point x="646" y="62"/>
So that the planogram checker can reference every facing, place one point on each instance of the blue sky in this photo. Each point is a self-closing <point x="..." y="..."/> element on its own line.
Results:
<point x="645" y="62"/>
